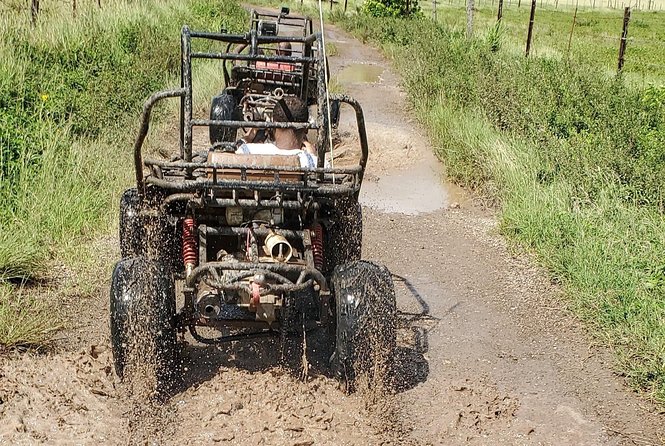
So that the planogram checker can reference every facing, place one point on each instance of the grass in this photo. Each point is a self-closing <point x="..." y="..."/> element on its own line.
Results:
<point x="575" y="158"/>
<point x="70" y="88"/>
<point x="331" y="49"/>
<point x="595" y="39"/>
<point x="25" y="319"/>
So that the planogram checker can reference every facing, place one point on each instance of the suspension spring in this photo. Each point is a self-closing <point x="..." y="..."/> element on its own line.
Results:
<point x="317" y="245"/>
<point x="189" y="251"/>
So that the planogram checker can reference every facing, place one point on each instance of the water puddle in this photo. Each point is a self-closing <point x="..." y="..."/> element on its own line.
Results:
<point x="359" y="73"/>
<point x="417" y="190"/>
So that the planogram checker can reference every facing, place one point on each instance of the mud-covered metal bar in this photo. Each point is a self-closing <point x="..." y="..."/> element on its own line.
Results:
<point x="196" y="201"/>
<point x="143" y="131"/>
<point x="245" y="38"/>
<point x="194" y="185"/>
<point x="362" y="131"/>
<point x="253" y="58"/>
<point x="187" y="85"/>
<point x="259" y="232"/>
<point x="184" y="165"/>
<point x="254" y="124"/>
<point x="280" y="268"/>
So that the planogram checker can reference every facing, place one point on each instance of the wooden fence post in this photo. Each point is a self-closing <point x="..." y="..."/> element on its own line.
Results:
<point x="74" y="8"/>
<point x="469" y="18"/>
<point x="347" y="1"/>
<point x="34" y="11"/>
<point x="570" y="37"/>
<point x="434" y="10"/>
<point x="530" y="33"/>
<point x="624" y="36"/>
<point x="99" y="4"/>
<point x="499" y="13"/>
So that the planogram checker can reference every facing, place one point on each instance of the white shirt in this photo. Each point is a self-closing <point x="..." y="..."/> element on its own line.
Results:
<point x="306" y="159"/>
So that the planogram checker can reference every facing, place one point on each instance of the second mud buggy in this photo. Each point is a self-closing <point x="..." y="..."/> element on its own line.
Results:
<point x="249" y="245"/>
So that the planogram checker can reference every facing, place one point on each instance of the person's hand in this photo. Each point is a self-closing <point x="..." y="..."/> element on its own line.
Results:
<point x="250" y="135"/>
<point x="308" y="147"/>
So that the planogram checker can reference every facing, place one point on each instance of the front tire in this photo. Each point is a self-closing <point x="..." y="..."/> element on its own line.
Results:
<point x="366" y="312"/>
<point x="143" y="336"/>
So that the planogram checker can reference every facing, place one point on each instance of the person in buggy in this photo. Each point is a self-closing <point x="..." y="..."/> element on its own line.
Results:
<point x="282" y="141"/>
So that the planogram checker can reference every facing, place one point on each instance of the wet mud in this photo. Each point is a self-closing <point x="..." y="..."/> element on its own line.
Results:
<point x="359" y="73"/>
<point x="419" y="189"/>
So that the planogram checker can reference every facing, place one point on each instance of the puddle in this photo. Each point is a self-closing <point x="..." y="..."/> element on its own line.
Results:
<point x="359" y="73"/>
<point x="417" y="190"/>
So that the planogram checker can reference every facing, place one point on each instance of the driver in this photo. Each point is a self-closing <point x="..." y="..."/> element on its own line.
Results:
<point x="283" y="141"/>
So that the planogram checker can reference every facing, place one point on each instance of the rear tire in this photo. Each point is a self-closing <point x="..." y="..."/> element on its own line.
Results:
<point x="152" y="237"/>
<point x="143" y="336"/>
<point x="223" y="108"/>
<point x="131" y="232"/>
<point x="365" y="307"/>
<point x="344" y="234"/>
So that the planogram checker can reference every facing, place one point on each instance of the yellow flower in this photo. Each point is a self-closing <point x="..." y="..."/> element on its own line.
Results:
<point x="44" y="96"/>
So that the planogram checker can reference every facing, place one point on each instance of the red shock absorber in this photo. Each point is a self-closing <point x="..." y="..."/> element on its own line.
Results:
<point x="317" y="245"/>
<point x="189" y="251"/>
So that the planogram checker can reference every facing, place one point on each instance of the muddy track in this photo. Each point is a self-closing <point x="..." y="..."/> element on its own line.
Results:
<point x="488" y="355"/>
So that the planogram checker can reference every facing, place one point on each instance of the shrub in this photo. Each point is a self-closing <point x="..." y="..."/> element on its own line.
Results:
<point x="390" y="8"/>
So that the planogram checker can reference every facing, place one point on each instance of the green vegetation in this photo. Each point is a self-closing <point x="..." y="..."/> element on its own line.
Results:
<point x="71" y="91"/>
<point x="575" y="157"/>
<point x="595" y="38"/>
<point x="25" y="319"/>
<point x="390" y="8"/>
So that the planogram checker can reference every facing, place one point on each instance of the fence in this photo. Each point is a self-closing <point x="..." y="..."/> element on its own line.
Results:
<point x="629" y="40"/>
<point x="635" y="5"/>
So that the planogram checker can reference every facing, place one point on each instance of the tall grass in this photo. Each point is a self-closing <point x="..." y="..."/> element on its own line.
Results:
<point x="576" y="160"/>
<point x="71" y="91"/>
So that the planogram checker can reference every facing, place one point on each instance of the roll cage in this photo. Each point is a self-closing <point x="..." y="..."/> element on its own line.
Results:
<point x="184" y="174"/>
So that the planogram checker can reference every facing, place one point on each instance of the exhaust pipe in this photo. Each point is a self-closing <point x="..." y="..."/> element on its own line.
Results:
<point x="278" y="248"/>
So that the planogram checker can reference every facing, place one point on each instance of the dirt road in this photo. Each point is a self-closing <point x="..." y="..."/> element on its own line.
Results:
<point x="487" y="353"/>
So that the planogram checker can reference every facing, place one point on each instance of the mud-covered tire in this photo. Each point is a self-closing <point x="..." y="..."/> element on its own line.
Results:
<point x="131" y="228"/>
<point x="143" y="336"/>
<point x="365" y="334"/>
<point x="344" y="234"/>
<point x="224" y="107"/>
<point x="150" y="237"/>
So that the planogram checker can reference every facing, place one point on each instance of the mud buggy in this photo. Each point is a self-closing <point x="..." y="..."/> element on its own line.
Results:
<point x="247" y="245"/>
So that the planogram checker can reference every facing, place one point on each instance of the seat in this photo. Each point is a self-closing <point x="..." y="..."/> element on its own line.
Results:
<point x="255" y="167"/>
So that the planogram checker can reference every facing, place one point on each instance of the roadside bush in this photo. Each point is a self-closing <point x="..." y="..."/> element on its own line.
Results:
<point x="390" y="8"/>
